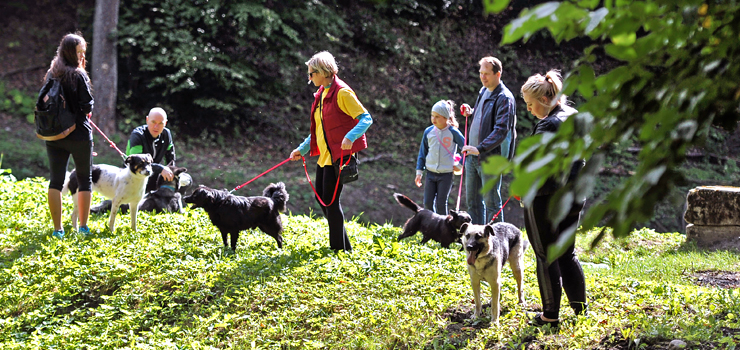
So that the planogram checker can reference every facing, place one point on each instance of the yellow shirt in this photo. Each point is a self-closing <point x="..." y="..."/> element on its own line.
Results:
<point x="349" y="104"/>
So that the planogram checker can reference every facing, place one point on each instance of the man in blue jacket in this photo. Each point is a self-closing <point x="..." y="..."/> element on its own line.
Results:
<point x="492" y="132"/>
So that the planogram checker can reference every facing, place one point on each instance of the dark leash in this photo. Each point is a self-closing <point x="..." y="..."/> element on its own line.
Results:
<point x="123" y="155"/>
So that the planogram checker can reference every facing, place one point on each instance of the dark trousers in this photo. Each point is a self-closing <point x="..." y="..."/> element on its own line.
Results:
<point x="565" y="273"/>
<point x="436" y="191"/>
<point x="59" y="152"/>
<point x="326" y="181"/>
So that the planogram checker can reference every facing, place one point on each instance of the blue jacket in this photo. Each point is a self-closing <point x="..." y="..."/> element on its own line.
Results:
<point x="437" y="149"/>
<point x="499" y="118"/>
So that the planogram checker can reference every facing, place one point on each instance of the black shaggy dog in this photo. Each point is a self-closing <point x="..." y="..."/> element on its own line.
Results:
<point x="166" y="198"/>
<point x="233" y="214"/>
<point x="443" y="229"/>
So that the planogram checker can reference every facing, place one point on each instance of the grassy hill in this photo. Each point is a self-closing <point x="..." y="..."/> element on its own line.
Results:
<point x="170" y="285"/>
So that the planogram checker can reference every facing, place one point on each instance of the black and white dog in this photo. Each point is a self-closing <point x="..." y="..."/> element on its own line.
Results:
<point x="488" y="247"/>
<point x="121" y="185"/>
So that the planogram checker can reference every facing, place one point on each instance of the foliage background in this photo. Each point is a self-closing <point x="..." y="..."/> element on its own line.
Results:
<point x="231" y="75"/>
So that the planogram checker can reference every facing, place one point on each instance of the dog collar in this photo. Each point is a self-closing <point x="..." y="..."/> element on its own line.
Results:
<point x="168" y="186"/>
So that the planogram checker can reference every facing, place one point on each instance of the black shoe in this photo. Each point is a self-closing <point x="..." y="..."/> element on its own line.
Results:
<point x="537" y="321"/>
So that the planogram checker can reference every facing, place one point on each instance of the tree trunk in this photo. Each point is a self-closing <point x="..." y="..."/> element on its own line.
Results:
<point x="105" y="64"/>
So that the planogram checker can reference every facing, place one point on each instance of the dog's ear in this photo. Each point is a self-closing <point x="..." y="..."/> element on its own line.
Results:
<point x="453" y="213"/>
<point x="464" y="228"/>
<point x="179" y="171"/>
<point x="488" y="230"/>
<point x="127" y="161"/>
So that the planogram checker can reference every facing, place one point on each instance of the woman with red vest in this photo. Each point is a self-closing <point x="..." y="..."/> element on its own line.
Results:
<point x="338" y="125"/>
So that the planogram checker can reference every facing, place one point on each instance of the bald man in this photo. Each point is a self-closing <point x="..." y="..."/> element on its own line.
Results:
<point x="154" y="139"/>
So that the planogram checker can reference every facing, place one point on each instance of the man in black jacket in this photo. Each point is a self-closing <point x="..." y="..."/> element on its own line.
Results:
<point x="492" y="132"/>
<point x="156" y="140"/>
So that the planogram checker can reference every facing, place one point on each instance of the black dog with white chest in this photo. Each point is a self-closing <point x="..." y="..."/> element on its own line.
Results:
<point x="233" y="214"/>
<point x="440" y="228"/>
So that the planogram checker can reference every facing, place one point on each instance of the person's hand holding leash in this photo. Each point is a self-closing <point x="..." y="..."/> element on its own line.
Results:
<point x="470" y="151"/>
<point x="347" y="144"/>
<point x="417" y="181"/>
<point x="466" y="110"/>
<point x="295" y="155"/>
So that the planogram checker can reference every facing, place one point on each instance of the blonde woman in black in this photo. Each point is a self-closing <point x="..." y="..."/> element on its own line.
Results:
<point x="547" y="103"/>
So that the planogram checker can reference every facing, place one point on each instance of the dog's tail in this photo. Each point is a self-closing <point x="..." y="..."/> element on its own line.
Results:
<point x="278" y="194"/>
<point x="65" y="187"/>
<point x="407" y="202"/>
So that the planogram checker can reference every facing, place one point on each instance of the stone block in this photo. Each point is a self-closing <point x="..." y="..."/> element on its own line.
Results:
<point x="712" y="236"/>
<point x="713" y="206"/>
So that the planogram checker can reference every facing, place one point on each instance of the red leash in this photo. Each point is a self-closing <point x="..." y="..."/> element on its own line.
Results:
<point x="335" y="187"/>
<point x="260" y="175"/>
<point x="123" y="155"/>
<point x="459" y="188"/>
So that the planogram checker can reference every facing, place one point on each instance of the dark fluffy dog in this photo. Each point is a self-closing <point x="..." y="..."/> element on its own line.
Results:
<point x="233" y="214"/>
<point x="488" y="248"/>
<point x="166" y="197"/>
<point x="442" y="229"/>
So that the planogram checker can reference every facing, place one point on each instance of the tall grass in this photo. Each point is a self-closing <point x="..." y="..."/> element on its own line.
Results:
<point x="170" y="285"/>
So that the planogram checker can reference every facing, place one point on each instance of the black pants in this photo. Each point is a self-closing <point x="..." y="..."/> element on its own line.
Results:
<point x="59" y="152"/>
<point x="565" y="272"/>
<point x="326" y="181"/>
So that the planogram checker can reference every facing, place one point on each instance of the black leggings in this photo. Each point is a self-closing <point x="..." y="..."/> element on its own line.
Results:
<point x="565" y="272"/>
<point x="59" y="152"/>
<point x="326" y="180"/>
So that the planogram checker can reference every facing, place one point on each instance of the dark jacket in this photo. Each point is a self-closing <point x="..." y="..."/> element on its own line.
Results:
<point x="80" y="103"/>
<point x="498" y="118"/>
<point x="552" y="123"/>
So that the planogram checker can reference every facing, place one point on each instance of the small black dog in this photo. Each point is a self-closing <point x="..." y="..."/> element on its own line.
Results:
<point x="166" y="197"/>
<point x="443" y="229"/>
<point x="232" y="214"/>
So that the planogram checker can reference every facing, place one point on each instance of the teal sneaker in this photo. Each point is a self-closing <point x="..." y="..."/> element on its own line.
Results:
<point x="58" y="233"/>
<point x="84" y="230"/>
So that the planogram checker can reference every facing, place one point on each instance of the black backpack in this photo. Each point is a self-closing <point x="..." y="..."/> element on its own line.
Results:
<point x="54" y="120"/>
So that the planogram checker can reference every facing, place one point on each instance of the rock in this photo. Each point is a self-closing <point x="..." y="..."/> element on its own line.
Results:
<point x="677" y="344"/>
<point x="706" y="236"/>
<point x="713" y="206"/>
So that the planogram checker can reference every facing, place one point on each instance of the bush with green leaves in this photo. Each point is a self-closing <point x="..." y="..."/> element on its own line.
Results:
<point x="676" y="80"/>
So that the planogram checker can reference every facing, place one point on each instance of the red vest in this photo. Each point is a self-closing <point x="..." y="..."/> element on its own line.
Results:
<point x="336" y="123"/>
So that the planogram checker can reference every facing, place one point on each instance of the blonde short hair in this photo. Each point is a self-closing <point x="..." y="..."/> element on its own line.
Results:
<point x="324" y="63"/>
<point x="550" y="86"/>
<point x="493" y="61"/>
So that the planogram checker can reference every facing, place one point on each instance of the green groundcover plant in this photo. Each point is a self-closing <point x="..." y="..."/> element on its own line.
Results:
<point x="171" y="285"/>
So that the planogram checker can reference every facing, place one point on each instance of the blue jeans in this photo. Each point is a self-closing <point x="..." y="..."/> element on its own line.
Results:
<point x="436" y="191"/>
<point x="482" y="206"/>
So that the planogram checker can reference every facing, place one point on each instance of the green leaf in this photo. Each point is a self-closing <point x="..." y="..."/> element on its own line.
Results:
<point x="495" y="6"/>
<point x="595" y="18"/>
<point x="624" y="39"/>
<point x="621" y="53"/>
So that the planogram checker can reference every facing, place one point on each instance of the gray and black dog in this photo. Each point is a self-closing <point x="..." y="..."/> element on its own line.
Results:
<point x="488" y="247"/>
<point x="440" y="228"/>
<point x="167" y="197"/>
